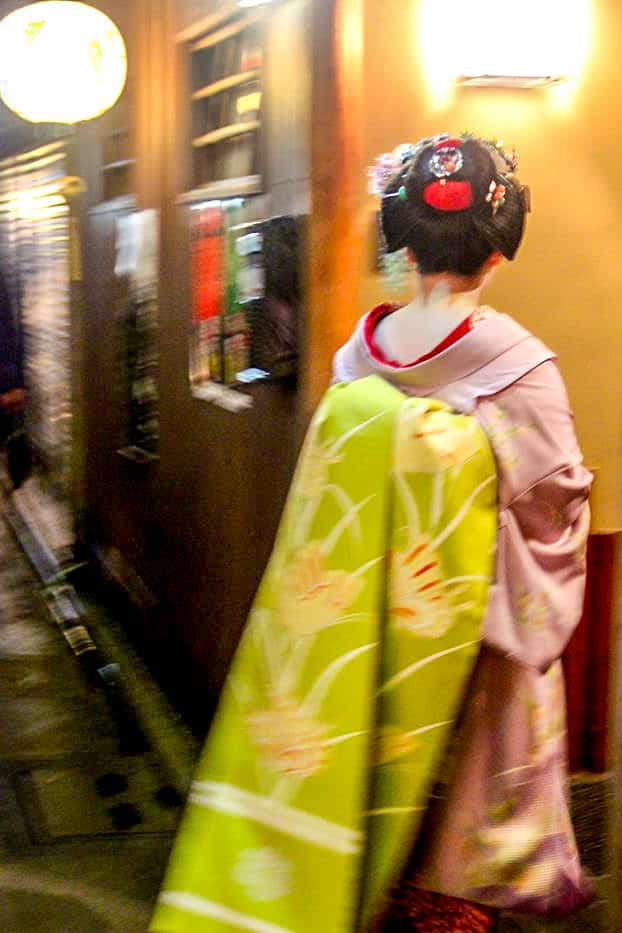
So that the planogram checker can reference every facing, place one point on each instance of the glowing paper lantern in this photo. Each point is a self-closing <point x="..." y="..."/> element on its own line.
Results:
<point x="60" y="62"/>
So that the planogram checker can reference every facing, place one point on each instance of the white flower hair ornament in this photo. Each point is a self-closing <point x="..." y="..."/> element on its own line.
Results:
<point x="389" y="164"/>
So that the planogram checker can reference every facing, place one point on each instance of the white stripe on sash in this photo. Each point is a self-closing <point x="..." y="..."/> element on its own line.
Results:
<point x="227" y="798"/>
<point x="200" y="905"/>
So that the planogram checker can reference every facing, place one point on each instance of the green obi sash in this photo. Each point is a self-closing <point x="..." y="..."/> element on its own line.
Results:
<point x="339" y="705"/>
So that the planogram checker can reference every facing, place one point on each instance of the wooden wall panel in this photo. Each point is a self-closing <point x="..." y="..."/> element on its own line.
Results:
<point x="198" y="526"/>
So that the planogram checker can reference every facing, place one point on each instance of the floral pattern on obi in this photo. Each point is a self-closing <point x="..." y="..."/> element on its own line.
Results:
<point x="313" y="597"/>
<point x="446" y="441"/>
<point x="393" y="744"/>
<point x="314" y="473"/>
<point x="418" y="597"/>
<point x="291" y="741"/>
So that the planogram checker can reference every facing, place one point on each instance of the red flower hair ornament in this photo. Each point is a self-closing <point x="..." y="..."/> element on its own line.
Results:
<point x="449" y="195"/>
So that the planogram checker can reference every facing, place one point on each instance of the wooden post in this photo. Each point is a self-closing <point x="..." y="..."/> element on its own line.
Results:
<point x="336" y="231"/>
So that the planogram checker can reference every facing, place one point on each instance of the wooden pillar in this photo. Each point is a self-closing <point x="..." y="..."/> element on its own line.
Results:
<point x="336" y="234"/>
<point x="148" y="129"/>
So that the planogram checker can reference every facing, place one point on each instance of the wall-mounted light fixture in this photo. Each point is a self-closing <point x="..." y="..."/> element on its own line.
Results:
<point x="250" y="3"/>
<point x="61" y="61"/>
<point x="482" y="43"/>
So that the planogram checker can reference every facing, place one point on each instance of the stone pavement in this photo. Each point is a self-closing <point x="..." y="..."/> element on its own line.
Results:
<point x="85" y="831"/>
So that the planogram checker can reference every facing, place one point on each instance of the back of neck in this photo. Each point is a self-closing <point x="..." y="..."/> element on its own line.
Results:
<point x="418" y="327"/>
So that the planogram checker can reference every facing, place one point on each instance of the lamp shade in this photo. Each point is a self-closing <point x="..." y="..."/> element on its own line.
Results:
<point x="60" y="62"/>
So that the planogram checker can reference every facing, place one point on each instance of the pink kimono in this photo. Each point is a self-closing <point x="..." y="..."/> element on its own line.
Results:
<point x="499" y="831"/>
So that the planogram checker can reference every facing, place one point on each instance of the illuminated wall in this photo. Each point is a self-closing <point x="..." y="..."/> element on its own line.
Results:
<point x="566" y="284"/>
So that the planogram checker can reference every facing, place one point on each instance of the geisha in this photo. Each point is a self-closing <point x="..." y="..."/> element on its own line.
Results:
<point x="500" y="834"/>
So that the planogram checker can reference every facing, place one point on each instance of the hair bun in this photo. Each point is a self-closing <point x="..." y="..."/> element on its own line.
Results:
<point x="451" y="189"/>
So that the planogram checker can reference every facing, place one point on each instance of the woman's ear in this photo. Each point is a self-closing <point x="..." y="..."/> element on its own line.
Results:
<point x="487" y="271"/>
<point x="412" y="259"/>
<point x="495" y="259"/>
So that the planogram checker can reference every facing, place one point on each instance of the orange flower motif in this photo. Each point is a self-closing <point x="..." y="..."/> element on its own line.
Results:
<point x="393" y="744"/>
<point x="418" y="599"/>
<point x="433" y="440"/>
<point x="292" y="742"/>
<point x="311" y="597"/>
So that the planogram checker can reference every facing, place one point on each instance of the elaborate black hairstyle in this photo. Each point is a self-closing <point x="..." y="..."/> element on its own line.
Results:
<point x="454" y="201"/>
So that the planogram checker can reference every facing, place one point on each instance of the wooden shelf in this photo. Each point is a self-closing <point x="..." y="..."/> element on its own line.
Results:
<point x="207" y="24"/>
<point x="119" y="164"/>
<point x="116" y="164"/>
<point x="220" y="190"/>
<point x="124" y="202"/>
<point x="137" y="454"/>
<point x="225" y="62"/>
<point x="213" y="38"/>
<point x="225" y="83"/>
<point x="225" y="132"/>
<point x="222" y="396"/>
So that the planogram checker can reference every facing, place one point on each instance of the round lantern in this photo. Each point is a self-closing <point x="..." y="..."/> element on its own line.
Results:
<point x="60" y="62"/>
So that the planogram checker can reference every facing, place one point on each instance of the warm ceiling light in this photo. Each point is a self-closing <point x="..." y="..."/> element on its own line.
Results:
<point x="541" y="42"/>
<point x="60" y="62"/>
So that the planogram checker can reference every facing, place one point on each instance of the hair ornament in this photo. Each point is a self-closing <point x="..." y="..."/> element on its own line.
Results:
<point x="403" y="158"/>
<point x="512" y="161"/>
<point x="507" y="164"/>
<point x="447" y="160"/>
<point x="404" y="154"/>
<point x="450" y="196"/>
<point x="443" y="141"/>
<point x="388" y="165"/>
<point x="451" y="186"/>
<point x="496" y="195"/>
<point x="381" y="172"/>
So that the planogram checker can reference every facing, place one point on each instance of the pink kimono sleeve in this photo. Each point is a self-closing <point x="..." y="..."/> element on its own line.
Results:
<point x="537" y="598"/>
<point x="544" y="520"/>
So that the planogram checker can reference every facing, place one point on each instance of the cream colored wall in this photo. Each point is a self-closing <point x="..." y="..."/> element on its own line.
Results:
<point x="566" y="284"/>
